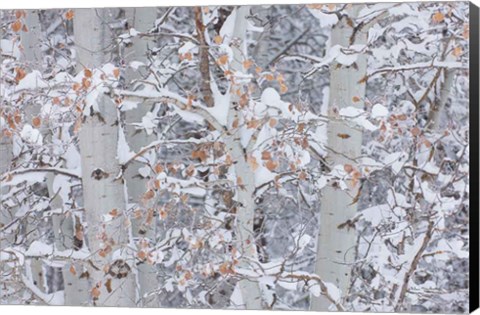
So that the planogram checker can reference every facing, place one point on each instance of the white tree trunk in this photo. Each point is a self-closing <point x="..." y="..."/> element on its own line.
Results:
<point x="245" y="235"/>
<point x="441" y="101"/>
<point x="142" y="19"/>
<point x="31" y="40"/>
<point x="98" y="140"/>
<point x="335" y="246"/>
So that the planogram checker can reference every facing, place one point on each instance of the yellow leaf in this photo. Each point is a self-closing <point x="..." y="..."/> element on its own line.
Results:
<point x="457" y="51"/>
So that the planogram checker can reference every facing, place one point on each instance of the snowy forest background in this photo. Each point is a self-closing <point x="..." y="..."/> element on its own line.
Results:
<point x="306" y="157"/>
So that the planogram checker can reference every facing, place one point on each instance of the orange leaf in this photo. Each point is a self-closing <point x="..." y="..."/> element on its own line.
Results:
<point x="225" y="268"/>
<point x="95" y="293"/>
<point x="253" y="124"/>
<point x="158" y="168"/>
<point x="438" y="17"/>
<point x="190" y="170"/>
<point x="108" y="285"/>
<point x="76" y="86"/>
<point x="72" y="270"/>
<point x="69" y="15"/>
<point x="269" y="77"/>
<point x="200" y="154"/>
<point x="87" y="72"/>
<point x="235" y="123"/>
<point x="348" y="168"/>
<point x="116" y="73"/>
<point x="239" y="181"/>
<point x="20" y="74"/>
<point x="271" y="165"/>
<point x="163" y="214"/>
<point x="457" y="51"/>
<point x="222" y="60"/>
<point x="252" y="161"/>
<point x="188" y="56"/>
<point x="149" y="194"/>
<point x="86" y="83"/>
<point x="343" y="135"/>
<point x="356" y="99"/>
<point x="218" y="39"/>
<point x="272" y="122"/>
<point x="113" y="212"/>
<point x="266" y="155"/>
<point x="466" y="31"/>
<point x="36" y="122"/>
<point x="16" y="26"/>
<point x="141" y="255"/>
<point x="416" y="131"/>
<point x="247" y="64"/>
<point x="56" y="101"/>
<point x="20" y="13"/>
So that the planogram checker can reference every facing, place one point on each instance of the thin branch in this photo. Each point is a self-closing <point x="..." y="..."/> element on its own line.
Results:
<point x="204" y="62"/>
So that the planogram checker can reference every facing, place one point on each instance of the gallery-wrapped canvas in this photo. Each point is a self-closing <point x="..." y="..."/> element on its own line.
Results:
<point x="279" y="157"/>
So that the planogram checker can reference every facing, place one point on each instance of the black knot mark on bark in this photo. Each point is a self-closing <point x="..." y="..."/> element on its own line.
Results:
<point x="99" y="174"/>
<point x="119" y="269"/>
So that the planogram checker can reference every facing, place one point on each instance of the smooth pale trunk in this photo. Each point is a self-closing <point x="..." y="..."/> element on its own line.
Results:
<point x="245" y="235"/>
<point x="446" y="88"/>
<point x="98" y="142"/>
<point x="31" y="39"/>
<point x="5" y="217"/>
<point x="32" y="57"/>
<point x="142" y="20"/>
<point x="335" y="246"/>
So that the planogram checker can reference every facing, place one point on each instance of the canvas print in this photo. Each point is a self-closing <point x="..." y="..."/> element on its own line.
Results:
<point x="276" y="157"/>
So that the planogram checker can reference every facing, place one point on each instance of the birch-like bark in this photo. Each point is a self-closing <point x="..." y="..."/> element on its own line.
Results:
<point x="31" y="39"/>
<point x="142" y="20"/>
<point x="112" y="282"/>
<point x="335" y="245"/>
<point x="442" y="100"/>
<point x="246" y="184"/>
